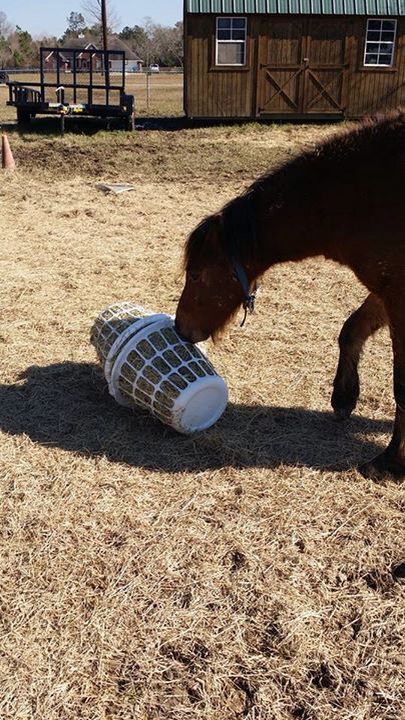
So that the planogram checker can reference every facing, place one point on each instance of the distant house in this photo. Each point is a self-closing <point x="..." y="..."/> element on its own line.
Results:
<point x="301" y="59"/>
<point x="61" y="59"/>
<point x="90" y="57"/>
<point x="133" y="62"/>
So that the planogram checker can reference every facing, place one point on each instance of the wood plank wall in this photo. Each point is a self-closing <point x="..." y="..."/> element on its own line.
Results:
<point x="374" y="89"/>
<point x="214" y="92"/>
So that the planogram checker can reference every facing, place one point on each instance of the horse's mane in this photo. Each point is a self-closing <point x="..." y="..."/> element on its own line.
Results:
<point x="374" y="135"/>
<point x="195" y="240"/>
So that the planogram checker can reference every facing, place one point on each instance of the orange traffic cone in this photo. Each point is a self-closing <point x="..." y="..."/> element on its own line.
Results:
<point x="7" y="160"/>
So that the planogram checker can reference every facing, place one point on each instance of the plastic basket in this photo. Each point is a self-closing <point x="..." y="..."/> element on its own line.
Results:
<point x="171" y="378"/>
<point x="114" y="326"/>
<point x="147" y="364"/>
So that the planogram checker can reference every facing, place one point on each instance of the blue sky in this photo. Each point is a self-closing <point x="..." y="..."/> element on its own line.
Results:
<point x="49" y="17"/>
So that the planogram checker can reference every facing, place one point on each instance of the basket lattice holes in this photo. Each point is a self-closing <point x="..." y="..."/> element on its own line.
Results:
<point x="111" y="323"/>
<point x="159" y="367"/>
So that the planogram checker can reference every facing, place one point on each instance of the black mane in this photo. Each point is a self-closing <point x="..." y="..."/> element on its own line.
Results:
<point x="195" y="242"/>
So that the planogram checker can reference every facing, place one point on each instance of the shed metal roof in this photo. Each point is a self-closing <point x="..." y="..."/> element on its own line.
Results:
<point x="300" y="7"/>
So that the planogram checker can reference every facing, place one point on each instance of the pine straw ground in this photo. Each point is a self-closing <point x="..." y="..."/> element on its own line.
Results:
<point x="247" y="572"/>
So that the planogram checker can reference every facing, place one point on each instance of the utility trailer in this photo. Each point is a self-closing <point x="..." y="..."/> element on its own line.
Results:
<point x="75" y="82"/>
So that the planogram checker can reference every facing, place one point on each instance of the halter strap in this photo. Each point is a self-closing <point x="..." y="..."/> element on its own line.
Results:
<point x="248" y="297"/>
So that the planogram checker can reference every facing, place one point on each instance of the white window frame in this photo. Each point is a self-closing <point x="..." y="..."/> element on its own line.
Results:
<point x="223" y="42"/>
<point x="377" y="64"/>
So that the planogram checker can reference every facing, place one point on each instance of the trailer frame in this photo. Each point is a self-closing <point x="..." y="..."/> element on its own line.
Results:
<point x="33" y="98"/>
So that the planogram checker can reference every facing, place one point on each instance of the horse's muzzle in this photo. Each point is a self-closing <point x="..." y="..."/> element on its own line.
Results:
<point x="189" y="334"/>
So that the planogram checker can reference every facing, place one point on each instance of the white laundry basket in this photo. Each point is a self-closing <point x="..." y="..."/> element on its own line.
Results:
<point x="114" y="326"/>
<point x="147" y="364"/>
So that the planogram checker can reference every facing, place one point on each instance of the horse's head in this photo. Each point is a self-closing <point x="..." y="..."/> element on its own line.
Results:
<point x="213" y="291"/>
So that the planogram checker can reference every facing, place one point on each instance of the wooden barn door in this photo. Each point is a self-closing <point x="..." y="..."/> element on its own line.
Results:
<point x="281" y="48"/>
<point x="324" y="83"/>
<point x="301" y="67"/>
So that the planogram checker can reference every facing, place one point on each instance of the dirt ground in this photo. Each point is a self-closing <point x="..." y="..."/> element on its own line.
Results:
<point x="245" y="572"/>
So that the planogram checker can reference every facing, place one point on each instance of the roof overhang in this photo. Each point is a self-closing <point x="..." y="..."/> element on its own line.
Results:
<point x="370" y="8"/>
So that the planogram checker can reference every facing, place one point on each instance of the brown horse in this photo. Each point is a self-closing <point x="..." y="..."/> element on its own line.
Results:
<point x="345" y="201"/>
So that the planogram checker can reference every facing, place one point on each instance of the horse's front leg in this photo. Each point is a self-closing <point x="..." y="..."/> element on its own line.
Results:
<point x="365" y="321"/>
<point x="392" y="460"/>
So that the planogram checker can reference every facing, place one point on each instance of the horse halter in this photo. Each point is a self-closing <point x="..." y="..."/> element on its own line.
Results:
<point x="248" y="297"/>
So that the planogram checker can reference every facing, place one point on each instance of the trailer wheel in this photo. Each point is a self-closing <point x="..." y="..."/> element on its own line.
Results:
<point x="130" y="122"/>
<point x="23" y="115"/>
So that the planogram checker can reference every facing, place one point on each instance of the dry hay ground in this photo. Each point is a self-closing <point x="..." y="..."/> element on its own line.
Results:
<point x="165" y="93"/>
<point x="246" y="572"/>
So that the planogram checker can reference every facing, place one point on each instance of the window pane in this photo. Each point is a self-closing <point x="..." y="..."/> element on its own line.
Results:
<point x="239" y="22"/>
<point x="231" y="53"/>
<point x="224" y="34"/>
<point x="373" y="35"/>
<point x="380" y="42"/>
<point x="386" y="48"/>
<point x="224" y="22"/>
<point x="371" y="59"/>
<point x="385" y="60"/>
<point x="238" y="34"/>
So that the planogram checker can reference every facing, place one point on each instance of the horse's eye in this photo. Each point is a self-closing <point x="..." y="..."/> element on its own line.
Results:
<point x="192" y="276"/>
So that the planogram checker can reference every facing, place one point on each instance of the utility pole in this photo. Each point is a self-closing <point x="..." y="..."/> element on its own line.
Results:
<point x="105" y="44"/>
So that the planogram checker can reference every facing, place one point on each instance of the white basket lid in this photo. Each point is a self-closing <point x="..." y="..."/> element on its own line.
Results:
<point x="200" y="405"/>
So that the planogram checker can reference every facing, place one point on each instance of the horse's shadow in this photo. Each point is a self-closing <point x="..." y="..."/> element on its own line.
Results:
<point x="66" y="405"/>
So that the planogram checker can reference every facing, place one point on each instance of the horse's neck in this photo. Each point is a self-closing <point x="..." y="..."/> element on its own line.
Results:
<point x="288" y="236"/>
<point x="294" y="228"/>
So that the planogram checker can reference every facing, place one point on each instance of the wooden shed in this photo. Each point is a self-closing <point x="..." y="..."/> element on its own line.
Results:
<point x="302" y="59"/>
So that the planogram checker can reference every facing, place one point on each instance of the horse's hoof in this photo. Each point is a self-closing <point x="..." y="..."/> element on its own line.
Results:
<point x="343" y="404"/>
<point x="344" y="397"/>
<point x="381" y="466"/>
<point x="342" y="414"/>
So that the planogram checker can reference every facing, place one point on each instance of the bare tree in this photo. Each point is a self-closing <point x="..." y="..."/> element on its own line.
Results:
<point x="168" y="44"/>
<point x="156" y="43"/>
<point x="76" y="24"/>
<point x="93" y="12"/>
<point x="5" y="27"/>
<point x="150" y="46"/>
